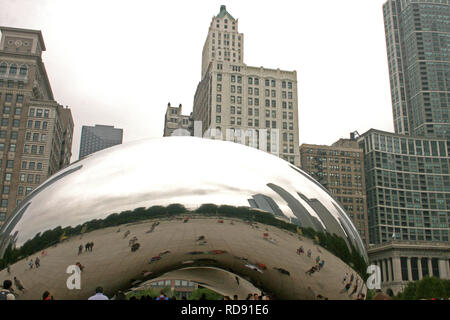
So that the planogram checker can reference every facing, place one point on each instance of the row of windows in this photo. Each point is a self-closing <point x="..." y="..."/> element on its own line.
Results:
<point x="11" y="84"/>
<point x="30" y="178"/>
<point x="9" y="97"/>
<point x="13" y="69"/>
<point x="255" y="81"/>
<point x="39" y="113"/>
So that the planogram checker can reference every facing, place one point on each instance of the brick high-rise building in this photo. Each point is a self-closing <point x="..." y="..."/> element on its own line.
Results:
<point x="340" y="169"/>
<point x="35" y="131"/>
<point x="242" y="103"/>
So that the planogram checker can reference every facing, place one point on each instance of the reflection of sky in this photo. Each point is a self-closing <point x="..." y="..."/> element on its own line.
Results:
<point x="185" y="170"/>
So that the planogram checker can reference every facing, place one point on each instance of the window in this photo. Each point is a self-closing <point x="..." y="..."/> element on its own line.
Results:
<point x="39" y="166"/>
<point x="39" y="113"/>
<point x="13" y="69"/>
<point x="41" y="149"/>
<point x="10" y="84"/>
<point x="19" y="98"/>
<point x="16" y="123"/>
<point x="33" y="149"/>
<point x="24" y="164"/>
<point x="8" y="176"/>
<point x="46" y="113"/>
<point x="273" y="83"/>
<point x="4" y="203"/>
<point x="30" y="178"/>
<point x="2" y="146"/>
<point x="233" y="109"/>
<point x="28" y="190"/>
<point x="219" y="87"/>
<point x="35" y="137"/>
<point x="23" y="70"/>
<point x="267" y="82"/>
<point x="6" y="189"/>
<point x="3" y="68"/>
<point x="219" y="77"/>
<point x="239" y="110"/>
<point x="37" y="179"/>
<point x="20" y="85"/>
<point x="8" y="97"/>
<point x="2" y="134"/>
<point x="44" y="125"/>
<point x="12" y="147"/>
<point x="218" y="120"/>
<point x="37" y="124"/>
<point x="17" y="111"/>
<point x="31" y="112"/>
<point x="30" y="124"/>
<point x="6" y="110"/>
<point x="10" y="164"/>
<point x="20" y="191"/>
<point x="233" y="78"/>
<point x="274" y="103"/>
<point x="218" y="108"/>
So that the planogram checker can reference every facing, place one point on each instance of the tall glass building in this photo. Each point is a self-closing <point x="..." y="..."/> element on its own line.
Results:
<point x="418" y="49"/>
<point x="408" y="187"/>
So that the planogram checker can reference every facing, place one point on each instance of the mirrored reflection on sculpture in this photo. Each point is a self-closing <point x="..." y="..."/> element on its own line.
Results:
<point x="182" y="206"/>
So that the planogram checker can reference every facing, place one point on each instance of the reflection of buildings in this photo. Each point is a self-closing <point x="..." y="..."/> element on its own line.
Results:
<point x="340" y="169"/>
<point x="305" y="219"/>
<point x="232" y="95"/>
<point x="97" y="138"/>
<point x="179" y="288"/>
<point x="35" y="131"/>
<point x="404" y="261"/>
<point x="174" y="119"/>
<point x="265" y="203"/>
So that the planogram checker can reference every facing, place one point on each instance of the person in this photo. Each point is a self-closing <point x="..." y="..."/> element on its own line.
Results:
<point x="226" y="298"/>
<point x="202" y="297"/>
<point x="91" y="246"/>
<point x="249" y="297"/>
<point x="99" y="295"/>
<point x="309" y="253"/>
<point x="235" y="297"/>
<point x="8" y="269"/>
<point x="79" y="265"/>
<point x="6" y="293"/>
<point x="361" y="296"/>
<point x="120" y="295"/>
<point x="255" y="296"/>
<point x="318" y="259"/>
<point x="37" y="262"/>
<point x="311" y="271"/>
<point x="30" y="263"/>
<point x="47" y="296"/>
<point x="321" y="264"/>
<point x="86" y="247"/>
<point x="18" y="284"/>
<point x="162" y="296"/>
<point x="352" y="277"/>
<point x="346" y="288"/>
<point x="355" y="288"/>
<point x="345" y="278"/>
<point x="80" y="249"/>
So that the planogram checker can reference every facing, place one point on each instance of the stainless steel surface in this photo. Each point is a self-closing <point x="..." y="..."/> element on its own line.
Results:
<point x="175" y="177"/>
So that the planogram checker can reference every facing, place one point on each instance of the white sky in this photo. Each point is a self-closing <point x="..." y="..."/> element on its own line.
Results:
<point x="120" y="62"/>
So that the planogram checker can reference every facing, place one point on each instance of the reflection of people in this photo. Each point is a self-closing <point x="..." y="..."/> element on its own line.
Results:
<point x="6" y="293"/>
<point x="37" y="262"/>
<point x="163" y="296"/>
<point x="98" y="295"/>
<point x="47" y="296"/>
<point x="80" y="249"/>
<point x="18" y="284"/>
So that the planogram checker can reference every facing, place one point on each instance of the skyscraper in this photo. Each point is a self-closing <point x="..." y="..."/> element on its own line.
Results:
<point x="35" y="131"/>
<point x="418" y="41"/>
<point x="97" y="138"/>
<point x="242" y="103"/>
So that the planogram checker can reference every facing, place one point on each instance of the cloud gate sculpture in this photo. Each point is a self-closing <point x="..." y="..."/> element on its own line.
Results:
<point x="229" y="217"/>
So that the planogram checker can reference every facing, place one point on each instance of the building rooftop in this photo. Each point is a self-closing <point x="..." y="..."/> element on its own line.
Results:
<point x="223" y="12"/>
<point x="25" y="31"/>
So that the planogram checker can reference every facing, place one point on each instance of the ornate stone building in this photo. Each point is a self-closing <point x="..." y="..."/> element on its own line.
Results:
<point x="35" y="131"/>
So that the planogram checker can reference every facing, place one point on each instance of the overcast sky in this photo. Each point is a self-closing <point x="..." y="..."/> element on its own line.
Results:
<point x="120" y="62"/>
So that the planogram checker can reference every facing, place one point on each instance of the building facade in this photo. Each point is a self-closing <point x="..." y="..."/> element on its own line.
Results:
<point x="403" y="261"/>
<point x="174" y="120"/>
<point x="255" y="106"/>
<point x="340" y="169"/>
<point x="417" y="40"/>
<point x="35" y="131"/>
<point x="408" y="187"/>
<point x="98" y="137"/>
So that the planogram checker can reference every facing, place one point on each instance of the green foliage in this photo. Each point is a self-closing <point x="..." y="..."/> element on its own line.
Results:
<point x="427" y="288"/>
<point x="209" y="294"/>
